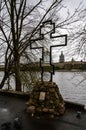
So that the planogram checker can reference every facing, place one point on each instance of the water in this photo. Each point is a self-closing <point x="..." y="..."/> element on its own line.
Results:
<point x="72" y="85"/>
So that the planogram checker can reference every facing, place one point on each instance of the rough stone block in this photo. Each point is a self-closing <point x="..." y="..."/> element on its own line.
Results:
<point x="46" y="98"/>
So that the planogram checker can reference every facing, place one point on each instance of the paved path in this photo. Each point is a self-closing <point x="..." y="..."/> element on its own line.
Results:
<point x="12" y="108"/>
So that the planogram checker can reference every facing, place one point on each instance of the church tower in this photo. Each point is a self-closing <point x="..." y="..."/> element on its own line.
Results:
<point x="61" y="57"/>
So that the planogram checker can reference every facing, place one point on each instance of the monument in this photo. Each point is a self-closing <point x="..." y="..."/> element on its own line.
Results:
<point x="45" y="99"/>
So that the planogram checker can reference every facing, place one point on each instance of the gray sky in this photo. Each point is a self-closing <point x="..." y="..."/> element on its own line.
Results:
<point x="71" y="5"/>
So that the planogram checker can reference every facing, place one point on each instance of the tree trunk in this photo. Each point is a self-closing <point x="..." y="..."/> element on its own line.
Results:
<point x="17" y="72"/>
<point x="3" y="80"/>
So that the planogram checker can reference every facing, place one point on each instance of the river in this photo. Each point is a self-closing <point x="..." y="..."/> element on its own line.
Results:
<point x="72" y="85"/>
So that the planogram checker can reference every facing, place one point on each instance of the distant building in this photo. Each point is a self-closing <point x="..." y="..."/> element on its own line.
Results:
<point x="61" y="57"/>
<point x="72" y="60"/>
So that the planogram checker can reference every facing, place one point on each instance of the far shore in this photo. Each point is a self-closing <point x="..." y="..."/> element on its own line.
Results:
<point x="65" y="66"/>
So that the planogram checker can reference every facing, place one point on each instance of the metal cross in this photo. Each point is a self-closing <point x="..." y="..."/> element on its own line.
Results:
<point x="41" y="37"/>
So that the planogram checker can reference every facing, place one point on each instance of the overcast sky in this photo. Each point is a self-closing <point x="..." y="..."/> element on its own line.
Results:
<point x="71" y="5"/>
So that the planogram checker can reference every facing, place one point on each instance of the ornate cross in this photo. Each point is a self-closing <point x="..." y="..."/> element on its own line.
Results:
<point x="41" y="37"/>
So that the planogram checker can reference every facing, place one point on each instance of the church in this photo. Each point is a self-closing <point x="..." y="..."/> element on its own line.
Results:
<point x="61" y="57"/>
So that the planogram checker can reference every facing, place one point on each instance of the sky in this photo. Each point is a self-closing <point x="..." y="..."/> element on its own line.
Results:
<point x="70" y="5"/>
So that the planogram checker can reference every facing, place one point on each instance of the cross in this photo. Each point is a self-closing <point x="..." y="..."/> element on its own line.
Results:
<point x="41" y="37"/>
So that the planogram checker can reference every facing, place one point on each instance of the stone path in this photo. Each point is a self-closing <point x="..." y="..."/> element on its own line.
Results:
<point x="12" y="108"/>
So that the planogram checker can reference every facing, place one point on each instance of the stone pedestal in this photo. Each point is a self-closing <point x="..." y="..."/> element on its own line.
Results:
<point x="45" y="100"/>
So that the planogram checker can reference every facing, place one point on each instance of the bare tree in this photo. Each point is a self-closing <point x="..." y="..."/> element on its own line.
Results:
<point x="21" y="21"/>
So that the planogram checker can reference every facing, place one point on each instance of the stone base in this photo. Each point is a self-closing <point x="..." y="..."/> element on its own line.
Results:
<point x="45" y="100"/>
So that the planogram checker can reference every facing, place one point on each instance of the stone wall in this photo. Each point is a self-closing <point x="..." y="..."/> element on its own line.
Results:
<point x="45" y="100"/>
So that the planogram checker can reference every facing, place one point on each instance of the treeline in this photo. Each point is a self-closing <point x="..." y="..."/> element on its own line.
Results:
<point x="47" y="67"/>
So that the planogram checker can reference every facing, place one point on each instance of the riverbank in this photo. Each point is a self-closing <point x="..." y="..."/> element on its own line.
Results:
<point x="65" y="66"/>
<point x="26" y="96"/>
